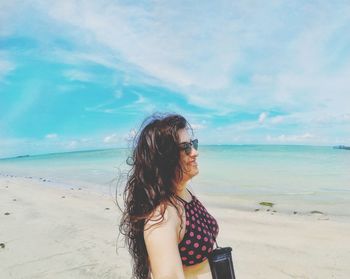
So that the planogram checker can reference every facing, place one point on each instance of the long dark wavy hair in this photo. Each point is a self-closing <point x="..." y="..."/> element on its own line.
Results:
<point x="151" y="182"/>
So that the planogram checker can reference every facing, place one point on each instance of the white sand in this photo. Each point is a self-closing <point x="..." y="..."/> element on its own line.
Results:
<point x="47" y="236"/>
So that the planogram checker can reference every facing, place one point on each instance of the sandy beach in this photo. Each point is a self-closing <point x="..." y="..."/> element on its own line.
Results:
<point x="48" y="231"/>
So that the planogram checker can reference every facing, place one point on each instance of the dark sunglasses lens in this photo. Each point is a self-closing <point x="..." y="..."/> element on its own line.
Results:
<point x="188" y="148"/>
<point x="195" y="144"/>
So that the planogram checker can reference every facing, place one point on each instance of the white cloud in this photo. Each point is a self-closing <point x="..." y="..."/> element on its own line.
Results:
<point x="290" y="138"/>
<point x="277" y="119"/>
<point x="75" y="57"/>
<point x="130" y="136"/>
<point x="9" y="10"/>
<point x="71" y="144"/>
<point x="51" y="136"/>
<point x="113" y="138"/>
<point x="6" y="67"/>
<point x="226" y="57"/>
<point x="198" y="126"/>
<point x="78" y="75"/>
<point x="144" y="37"/>
<point x="141" y="105"/>
<point x="140" y="100"/>
<point x="262" y="117"/>
<point x="200" y="55"/>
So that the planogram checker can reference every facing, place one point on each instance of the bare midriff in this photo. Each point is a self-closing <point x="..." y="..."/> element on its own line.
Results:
<point x="198" y="271"/>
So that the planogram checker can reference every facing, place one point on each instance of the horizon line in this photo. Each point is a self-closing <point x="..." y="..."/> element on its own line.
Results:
<point x="204" y="145"/>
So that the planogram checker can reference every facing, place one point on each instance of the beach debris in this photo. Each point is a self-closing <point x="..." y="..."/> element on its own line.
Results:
<point x="107" y="208"/>
<point x="274" y="211"/>
<point x="63" y="197"/>
<point x="2" y="245"/>
<point x="316" y="212"/>
<point x="72" y="188"/>
<point x="7" y="213"/>
<point x="270" y="204"/>
<point x="79" y="188"/>
<point x="267" y="205"/>
<point x="256" y="209"/>
<point x="6" y="186"/>
<point x="14" y="199"/>
<point x="295" y="212"/>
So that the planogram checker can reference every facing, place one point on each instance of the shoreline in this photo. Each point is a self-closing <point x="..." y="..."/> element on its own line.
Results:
<point x="271" y="205"/>
<point x="246" y="203"/>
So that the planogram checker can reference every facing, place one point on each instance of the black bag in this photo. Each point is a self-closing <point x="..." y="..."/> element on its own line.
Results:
<point x="221" y="265"/>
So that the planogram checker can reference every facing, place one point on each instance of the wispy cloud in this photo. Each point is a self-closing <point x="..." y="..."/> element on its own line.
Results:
<point x="111" y="138"/>
<point x="6" y="67"/>
<point x="262" y="117"/>
<point x="290" y="138"/>
<point x="255" y="71"/>
<point x="226" y="55"/>
<point x="277" y="120"/>
<point x="198" y="126"/>
<point x="51" y="136"/>
<point x="139" y="105"/>
<point x="78" y="75"/>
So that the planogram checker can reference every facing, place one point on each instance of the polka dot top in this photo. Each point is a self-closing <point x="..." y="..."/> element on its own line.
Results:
<point x="200" y="234"/>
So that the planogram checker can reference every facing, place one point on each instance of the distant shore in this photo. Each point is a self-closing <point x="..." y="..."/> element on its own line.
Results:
<point x="342" y="147"/>
<point x="52" y="232"/>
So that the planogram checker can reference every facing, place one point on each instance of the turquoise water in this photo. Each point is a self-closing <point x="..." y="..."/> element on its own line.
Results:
<point x="275" y="169"/>
<point x="95" y="169"/>
<point x="306" y="174"/>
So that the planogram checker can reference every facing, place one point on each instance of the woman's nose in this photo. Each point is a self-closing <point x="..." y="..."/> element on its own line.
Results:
<point x="194" y="152"/>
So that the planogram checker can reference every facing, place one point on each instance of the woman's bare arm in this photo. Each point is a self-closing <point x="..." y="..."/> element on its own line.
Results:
<point x="161" y="240"/>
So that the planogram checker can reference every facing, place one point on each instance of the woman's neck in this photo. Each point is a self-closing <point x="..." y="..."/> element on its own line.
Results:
<point x="181" y="190"/>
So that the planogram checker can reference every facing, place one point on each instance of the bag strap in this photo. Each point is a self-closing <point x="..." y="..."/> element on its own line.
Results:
<point x="217" y="246"/>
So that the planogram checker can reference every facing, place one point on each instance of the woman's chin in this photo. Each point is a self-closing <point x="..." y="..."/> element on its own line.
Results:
<point x="195" y="172"/>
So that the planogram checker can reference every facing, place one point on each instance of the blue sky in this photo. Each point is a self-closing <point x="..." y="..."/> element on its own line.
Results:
<point x="83" y="74"/>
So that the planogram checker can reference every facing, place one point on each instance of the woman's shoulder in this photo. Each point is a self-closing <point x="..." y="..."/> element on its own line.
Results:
<point x="166" y="213"/>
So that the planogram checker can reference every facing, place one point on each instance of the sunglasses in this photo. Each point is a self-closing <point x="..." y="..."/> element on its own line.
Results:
<point x="187" y="146"/>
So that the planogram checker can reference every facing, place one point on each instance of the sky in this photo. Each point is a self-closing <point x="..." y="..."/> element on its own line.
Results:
<point x="78" y="75"/>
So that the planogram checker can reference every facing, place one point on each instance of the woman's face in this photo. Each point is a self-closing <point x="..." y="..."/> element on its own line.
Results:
<point x="188" y="162"/>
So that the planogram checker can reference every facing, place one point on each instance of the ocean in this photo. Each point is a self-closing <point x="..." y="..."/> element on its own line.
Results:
<point x="310" y="177"/>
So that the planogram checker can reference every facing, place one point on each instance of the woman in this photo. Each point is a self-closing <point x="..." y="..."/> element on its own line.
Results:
<point x="168" y="231"/>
